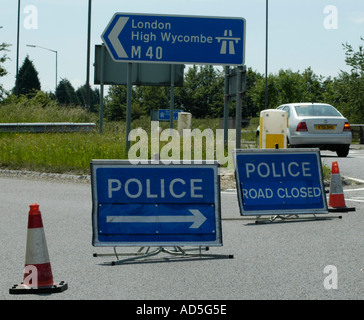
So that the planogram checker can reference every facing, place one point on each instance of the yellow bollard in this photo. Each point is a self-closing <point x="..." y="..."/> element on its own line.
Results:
<point x="273" y="129"/>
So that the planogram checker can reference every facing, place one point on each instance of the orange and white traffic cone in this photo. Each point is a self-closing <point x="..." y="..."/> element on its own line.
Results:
<point x="38" y="277"/>
<point x="336" y="197"/>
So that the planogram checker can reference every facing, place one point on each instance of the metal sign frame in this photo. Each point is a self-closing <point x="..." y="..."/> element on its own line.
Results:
<point x="213" y="237"/>
<point x="110" y="72"/>
<point x="273" y="196"/>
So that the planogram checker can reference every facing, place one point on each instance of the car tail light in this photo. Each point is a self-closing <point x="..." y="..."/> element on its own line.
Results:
<point x="347" y="126"/>
<point x="301" y="127"/>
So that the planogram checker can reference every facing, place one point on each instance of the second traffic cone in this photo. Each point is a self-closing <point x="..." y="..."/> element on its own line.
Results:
<point x="336" y="197"/>
<point x="38" y="277"/>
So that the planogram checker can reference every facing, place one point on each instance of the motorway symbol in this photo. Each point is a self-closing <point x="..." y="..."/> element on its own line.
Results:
<point x="225" y="39"/>
<point x="176" y="39"/>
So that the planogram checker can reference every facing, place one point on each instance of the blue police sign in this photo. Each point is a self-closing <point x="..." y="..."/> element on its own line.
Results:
<point x="155" y="204"/>
<point x="175" y="39"/>
<point x="285" y="181"/>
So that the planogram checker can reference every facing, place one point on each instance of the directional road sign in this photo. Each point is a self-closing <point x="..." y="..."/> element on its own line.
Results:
<point x="155" y="204"/>
<point x="176" y="39"/>
<point x="284" y="181"/>
<point x="165" y="114"/>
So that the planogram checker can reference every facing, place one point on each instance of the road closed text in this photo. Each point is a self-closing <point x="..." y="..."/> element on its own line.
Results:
<point x="288" y="193"/>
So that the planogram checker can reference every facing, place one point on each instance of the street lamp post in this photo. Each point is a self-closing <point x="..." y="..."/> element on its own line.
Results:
<point x="17" y="53"/>
<point x="266" y="54"/>
<point x="34" y="46"/>
<point x="88" y="56"/>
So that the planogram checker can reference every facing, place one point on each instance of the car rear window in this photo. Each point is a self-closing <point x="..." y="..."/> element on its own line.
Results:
<point x="317" y="110"/>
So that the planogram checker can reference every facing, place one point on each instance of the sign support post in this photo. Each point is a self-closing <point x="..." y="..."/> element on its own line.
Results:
<point x="128" y="104"/>
<point x="171" y="97"/>
<point x="226" y="104"/>
<point x="102" y="65"/>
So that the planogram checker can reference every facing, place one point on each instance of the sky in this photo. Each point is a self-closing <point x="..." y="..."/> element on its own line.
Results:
<point x="301" y="34"/>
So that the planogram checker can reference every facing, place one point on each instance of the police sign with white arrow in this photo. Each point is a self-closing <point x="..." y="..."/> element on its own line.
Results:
<point x="155" y="204"/>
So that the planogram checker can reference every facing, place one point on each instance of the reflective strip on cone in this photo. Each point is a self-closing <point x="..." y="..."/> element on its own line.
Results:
<point x="36" y="249"/>
<point x="335" y="185"/>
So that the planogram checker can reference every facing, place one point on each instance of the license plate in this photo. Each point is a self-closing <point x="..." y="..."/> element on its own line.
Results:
<point x="325" y="127"/>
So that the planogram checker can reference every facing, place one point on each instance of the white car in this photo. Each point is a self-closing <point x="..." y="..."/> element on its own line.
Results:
<point x="317" y="125"/>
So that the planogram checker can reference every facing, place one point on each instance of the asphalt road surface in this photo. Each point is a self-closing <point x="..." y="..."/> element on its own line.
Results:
<point x="320" y="259"/>
<point x="350" y="166"/>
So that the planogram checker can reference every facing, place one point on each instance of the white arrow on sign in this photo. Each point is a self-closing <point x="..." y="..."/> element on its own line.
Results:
<point x="197" y="218"/>
<point x="114" y="34"/>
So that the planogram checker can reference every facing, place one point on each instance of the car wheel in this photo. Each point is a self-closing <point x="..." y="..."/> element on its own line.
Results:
<point x="288" y="144"/>
<point x="343" y="151"/>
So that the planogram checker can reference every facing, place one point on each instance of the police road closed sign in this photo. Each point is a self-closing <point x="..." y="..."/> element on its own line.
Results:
<point x="155" y="204"/>
<point x="284" y="181"/>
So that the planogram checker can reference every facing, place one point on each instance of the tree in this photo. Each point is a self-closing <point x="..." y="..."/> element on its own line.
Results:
<point x="94" y="97"/>
<point x="311" y="86"/>
<point x="27" y="81"/>
<point x="356" y="80"/>
<point x="249" y="108"/>
<point x="203" y="92"/>
<point x="355" y="59"/>
<point x="65" y="93"/>
<point x="3" y="72"/>
<point x="115" y="103"/>
<point x="258" y="93"/>
<point x="150" y="98"/>
<point x="348" y="87"/>
<point x="288" y="86"/>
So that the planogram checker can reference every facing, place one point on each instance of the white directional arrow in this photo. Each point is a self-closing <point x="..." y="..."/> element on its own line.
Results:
<point x="197" y="218"/>
<point x="114" y="34"/>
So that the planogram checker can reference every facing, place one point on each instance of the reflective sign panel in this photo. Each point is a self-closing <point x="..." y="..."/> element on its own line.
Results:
<point x="281" y="181"/>
<point x="176" y="39"/>
<point x="155" y="204"/>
